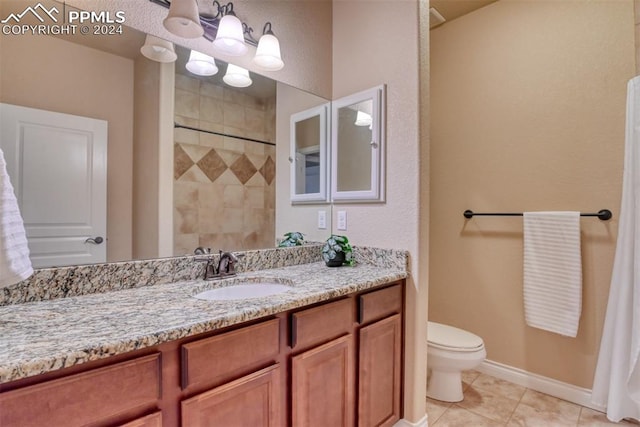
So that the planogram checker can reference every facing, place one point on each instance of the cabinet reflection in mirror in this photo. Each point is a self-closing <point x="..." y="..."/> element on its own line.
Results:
<point x="357" y="147"/>
<point x="309" y="155"/>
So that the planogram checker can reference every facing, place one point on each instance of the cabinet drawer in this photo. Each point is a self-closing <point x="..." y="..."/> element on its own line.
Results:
<point x="321" y="324"/>
<point x="85" y="398"/>
<point x="212" y="361"/>
<point x="378" y="304"/>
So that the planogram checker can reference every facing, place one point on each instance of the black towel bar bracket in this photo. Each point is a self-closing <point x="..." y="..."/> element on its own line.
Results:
<point x="603" y="214"/>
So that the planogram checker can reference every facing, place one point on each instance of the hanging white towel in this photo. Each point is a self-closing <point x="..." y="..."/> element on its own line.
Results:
<point x="616" y="385"/>
<point x="15" y="264"/>
<point x="552" y="271"/>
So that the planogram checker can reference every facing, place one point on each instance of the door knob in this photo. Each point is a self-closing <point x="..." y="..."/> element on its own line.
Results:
<point x="94" y="240"/>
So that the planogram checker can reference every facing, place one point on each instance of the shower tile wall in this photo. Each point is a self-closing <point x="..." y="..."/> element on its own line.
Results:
<point x="224" y="188"/>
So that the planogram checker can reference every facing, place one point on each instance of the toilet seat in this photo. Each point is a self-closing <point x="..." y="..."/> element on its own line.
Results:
<point x="449" y="338"/>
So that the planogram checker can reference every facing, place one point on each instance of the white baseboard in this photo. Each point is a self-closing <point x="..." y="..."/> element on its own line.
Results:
<point x="404" y="423"/>
<point x="559" y="389"/>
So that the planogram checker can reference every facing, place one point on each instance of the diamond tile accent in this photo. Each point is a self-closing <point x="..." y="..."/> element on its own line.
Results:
<point x="243" y="169"/>
<point x="268" y="170"/>
<point x="212" y="165"/>
<point x="182" y="162"/>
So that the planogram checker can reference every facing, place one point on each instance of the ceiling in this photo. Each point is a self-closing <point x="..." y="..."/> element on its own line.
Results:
<point x="452" y="9"/>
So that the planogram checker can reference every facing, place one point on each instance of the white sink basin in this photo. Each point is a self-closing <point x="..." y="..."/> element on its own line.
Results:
<point x="244" y="291"/>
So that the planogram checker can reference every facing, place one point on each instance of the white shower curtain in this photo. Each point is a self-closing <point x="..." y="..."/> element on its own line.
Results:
<point x="617" y="379"/>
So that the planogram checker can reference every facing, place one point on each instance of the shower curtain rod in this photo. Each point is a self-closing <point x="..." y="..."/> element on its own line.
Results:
<point x="179" y="126"/>
<point x="603" y="214"/>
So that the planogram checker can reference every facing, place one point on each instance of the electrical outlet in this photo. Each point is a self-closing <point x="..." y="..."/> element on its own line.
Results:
<point x="342" y="220"/>
<point x="322" y="220"/>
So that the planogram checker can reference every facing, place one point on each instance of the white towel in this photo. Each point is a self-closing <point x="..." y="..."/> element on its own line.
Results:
<point x="15" y="264"/>
<point x="552" y="271"/>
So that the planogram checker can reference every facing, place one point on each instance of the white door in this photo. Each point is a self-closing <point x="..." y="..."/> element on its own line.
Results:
<point x="57" y="164"/>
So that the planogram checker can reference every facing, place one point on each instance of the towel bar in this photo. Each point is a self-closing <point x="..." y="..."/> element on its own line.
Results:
<point x="603" y="214"/>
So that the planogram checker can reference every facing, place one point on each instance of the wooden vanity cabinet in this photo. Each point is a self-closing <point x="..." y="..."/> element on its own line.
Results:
<point x="347" y="371"/>
<point x="238" y="389"/>
<point x="380" y="357"/>
<point x="323" y="365"/>
<point x="337" y="363"/>
<point x="253" y="400"/>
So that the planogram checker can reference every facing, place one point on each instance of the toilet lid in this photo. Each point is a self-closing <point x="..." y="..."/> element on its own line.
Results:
<point x="448" y="337"/>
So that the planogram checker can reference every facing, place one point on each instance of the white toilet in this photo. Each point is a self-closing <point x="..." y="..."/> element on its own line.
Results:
<point x="449" y="352"/>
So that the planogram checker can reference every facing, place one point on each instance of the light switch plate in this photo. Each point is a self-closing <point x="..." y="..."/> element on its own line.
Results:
<point x="322" y="220"/>
<point x="342" y="220"/>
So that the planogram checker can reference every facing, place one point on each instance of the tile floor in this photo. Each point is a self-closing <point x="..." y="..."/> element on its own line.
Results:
<point x="489" y="402"/>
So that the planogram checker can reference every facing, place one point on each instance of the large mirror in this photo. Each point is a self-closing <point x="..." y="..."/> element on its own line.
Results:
<point x="357" y="147"/>
<point x="208" y="182"/>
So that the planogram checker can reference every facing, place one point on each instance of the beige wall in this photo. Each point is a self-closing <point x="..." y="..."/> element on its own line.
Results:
<point x="51" y="74"/>
<point x="374" y="43"/>
<point x="636" y="7"/>
<point x="152" y="177"/>
<point x="528" y="110"/>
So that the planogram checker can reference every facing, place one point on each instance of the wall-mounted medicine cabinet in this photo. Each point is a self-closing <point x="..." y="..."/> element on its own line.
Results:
<point x="309" y="155"/>
<point x="351" y="167"/>
<point x="357" y="147"/>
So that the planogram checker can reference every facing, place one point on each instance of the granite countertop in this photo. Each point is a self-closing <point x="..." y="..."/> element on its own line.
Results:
<point x="39" y="337"/>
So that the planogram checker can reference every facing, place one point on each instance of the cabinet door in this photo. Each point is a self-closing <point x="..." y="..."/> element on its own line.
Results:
<point x="379" y="373"/>
<point x="323" y="385"/>
<point x="153" y="420"/>
<point x="253" y="400"/>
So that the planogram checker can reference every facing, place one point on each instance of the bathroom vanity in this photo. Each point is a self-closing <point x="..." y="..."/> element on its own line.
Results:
<point x="327" y="352"/>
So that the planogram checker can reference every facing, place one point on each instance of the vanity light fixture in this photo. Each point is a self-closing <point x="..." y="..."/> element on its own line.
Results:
<point x="237" y="76"/>
<point x="230" y="36"/>
<point x="268" y="51"/>
<point x="220" y="25"/>
<point x="158" y="49"/>
<point x="363" y="119"/>
<point x="201" y="64"/>
<point x="183" y="19"/>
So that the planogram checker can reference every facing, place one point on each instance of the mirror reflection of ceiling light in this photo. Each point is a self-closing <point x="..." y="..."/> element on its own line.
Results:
<point x="201" y="64"/>
<point x="158" y="49"/>
<point x="237" y="76"/>
<point x="220" y="25"/>
<point x="363" y="119"/>
<point x="183" y="19"/>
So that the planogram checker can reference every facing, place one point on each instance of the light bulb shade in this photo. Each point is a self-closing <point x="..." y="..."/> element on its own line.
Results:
<point x="363" y="119"/>
<point x="268" y="53"/>
<point x="183" y="19"/>
<point x="237" y="76"/>
<point x="201" y="64"/>
<point x="230" y="37"/>
<point x="158" y="49"/>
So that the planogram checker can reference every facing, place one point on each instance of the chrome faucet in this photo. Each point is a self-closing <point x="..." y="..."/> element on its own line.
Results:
<point x="227" y="264"/>
<point x="210" y="272"/>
